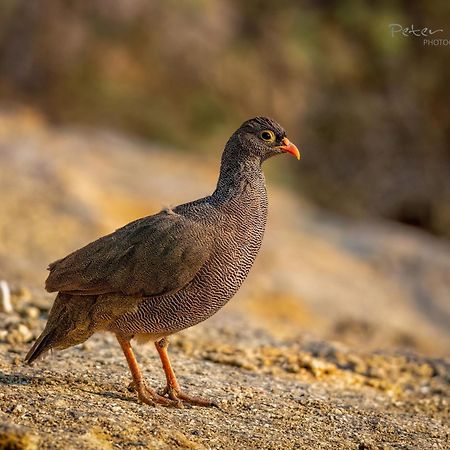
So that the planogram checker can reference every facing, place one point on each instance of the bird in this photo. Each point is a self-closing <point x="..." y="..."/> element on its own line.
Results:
<point x="169" y="271"/>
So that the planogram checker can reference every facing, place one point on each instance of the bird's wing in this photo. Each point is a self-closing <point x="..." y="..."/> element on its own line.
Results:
<point x="152" y="256"/>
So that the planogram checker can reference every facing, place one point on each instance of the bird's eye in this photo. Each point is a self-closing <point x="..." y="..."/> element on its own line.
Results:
<point x="267" y="135"/>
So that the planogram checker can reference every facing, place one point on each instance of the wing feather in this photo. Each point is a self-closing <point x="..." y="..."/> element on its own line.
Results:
<point x="152" y="256"/>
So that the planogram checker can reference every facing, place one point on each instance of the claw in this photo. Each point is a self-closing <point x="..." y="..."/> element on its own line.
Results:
<point x="151" y="397"/>
<point x="176" y="394"/>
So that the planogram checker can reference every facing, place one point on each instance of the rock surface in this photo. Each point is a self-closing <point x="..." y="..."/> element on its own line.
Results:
<point x="273" y="393"/>
<point x="339" y="338"/>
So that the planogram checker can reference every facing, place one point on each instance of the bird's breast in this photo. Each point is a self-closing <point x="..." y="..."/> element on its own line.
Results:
<point x="237" y="244"/>
<point x="239" y="228"/>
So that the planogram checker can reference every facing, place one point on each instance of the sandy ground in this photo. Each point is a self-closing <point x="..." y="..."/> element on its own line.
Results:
<point x="338" y="339"/>
<point x="272" y="394"/>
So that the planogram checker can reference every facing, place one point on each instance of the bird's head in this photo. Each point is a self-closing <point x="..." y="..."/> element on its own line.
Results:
<point x="262" y="138"/>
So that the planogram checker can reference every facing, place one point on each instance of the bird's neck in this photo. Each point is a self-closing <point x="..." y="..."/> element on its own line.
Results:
<point x="237" y="176"/>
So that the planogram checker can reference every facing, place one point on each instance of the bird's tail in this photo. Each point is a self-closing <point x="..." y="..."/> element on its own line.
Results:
<point x="69" y="323"/>
<point x="42" y="345"/>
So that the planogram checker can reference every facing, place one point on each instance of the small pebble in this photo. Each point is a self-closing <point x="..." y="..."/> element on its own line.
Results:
<point x="19" y="335"/>
<point x="5" y="298"/>
<point x="25" y="332"/>
<point x="32" y="312"/>
<point x="22" y="293"/>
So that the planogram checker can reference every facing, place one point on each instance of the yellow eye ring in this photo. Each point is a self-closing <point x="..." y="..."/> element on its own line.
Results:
<point x="267" y="136"/>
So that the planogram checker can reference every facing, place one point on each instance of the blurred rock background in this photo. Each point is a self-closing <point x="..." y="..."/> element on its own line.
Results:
<point x="112" y="109"/>
<point x="370" y="110"/>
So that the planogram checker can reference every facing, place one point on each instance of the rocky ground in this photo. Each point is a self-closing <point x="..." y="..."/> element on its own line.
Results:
<point x="338" y="339"/>
<point x="272" y="393"/>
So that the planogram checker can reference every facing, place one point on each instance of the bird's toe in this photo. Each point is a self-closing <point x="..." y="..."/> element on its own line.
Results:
<point x="181" y="397"/>
<point x="150" y="397"/>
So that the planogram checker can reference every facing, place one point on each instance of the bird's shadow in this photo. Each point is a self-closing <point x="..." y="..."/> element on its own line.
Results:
<point x="11" y="379"/>
<point x="14" y="379"/>
<point x="112" y="395"/>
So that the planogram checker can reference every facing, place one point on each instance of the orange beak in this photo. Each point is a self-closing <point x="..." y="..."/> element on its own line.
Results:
<point x="289" y="147"/>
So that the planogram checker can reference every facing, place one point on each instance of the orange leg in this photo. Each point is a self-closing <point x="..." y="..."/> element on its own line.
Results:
<point x="172" y="388"/>
<point x="145" y="394"/>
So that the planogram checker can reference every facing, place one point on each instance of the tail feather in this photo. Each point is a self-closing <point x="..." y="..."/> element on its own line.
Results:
<point x="40" y="347"/>
<point x="69" y="323"/>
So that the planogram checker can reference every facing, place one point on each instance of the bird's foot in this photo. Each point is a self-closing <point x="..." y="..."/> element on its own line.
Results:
<point x="175" y="394"/>
<point x="170" y="396"/>
<point x="151" y="397"/>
